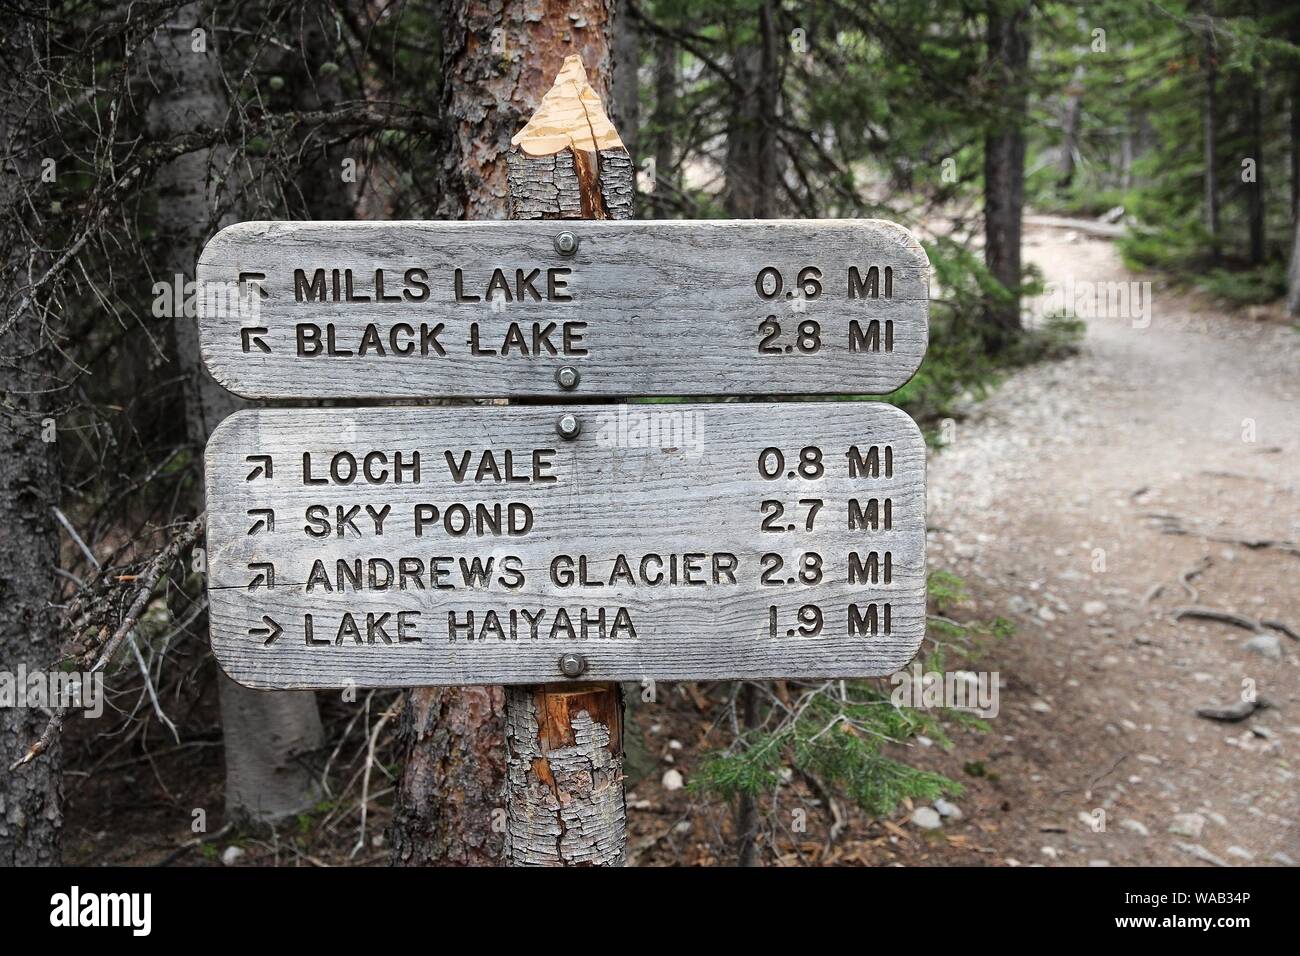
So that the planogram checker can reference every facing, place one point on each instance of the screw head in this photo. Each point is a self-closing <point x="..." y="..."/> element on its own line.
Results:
<point x="567" y="376"/>
<point x="566" y="243"/>
<point x="572" y="665"/>
<point x="568" y="426"/>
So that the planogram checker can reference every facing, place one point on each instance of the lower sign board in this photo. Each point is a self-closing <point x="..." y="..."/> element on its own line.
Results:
<point x="463" y="309"/>
<point x="383" y="547"/>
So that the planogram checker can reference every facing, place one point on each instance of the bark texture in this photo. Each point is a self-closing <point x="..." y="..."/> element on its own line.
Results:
<point x="565" y="803"/>
<point x="449" y="801"/>
<point x="264" y="733"/>
<point x="31" y="799"/>
<point x="564" y="776"/>
<point x="1004" y="164"/>
<point x="498" y="61"/>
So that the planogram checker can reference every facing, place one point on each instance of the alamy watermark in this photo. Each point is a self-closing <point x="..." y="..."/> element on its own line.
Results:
<point x="638" y="426"/>
<point x="1094" y="300"/>
<point x="974" y="692"/>
<point x="52" y="690"/>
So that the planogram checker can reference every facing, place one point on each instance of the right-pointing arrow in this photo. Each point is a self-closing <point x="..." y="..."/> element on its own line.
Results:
<point x="271" y="631"/>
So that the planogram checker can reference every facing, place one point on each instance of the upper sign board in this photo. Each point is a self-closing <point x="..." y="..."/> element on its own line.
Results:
<point x="399" y="310"/>
<point x="422" y="546"/>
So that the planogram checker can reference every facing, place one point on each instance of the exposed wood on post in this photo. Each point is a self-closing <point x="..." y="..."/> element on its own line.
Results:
<point x="564" y="757"/>
<point x="498" y="60"/>
<point x="568" y="161"/>
<point x="564" y="782"/>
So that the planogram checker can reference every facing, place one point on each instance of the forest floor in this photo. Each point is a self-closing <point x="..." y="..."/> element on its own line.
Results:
<point x="1057" y="499"/>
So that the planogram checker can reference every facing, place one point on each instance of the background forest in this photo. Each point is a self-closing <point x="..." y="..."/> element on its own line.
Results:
<point x="131" y="132"/>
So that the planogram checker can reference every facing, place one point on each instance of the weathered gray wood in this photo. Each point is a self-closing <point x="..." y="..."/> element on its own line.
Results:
<point x="670" y="308"/>
<point x="695" y="489"/>
<point x="564" y="749"/>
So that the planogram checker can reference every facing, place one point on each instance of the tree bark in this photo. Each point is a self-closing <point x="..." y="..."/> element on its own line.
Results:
<point x="498" y="61"/>
<point x="449" y="801"/>
<point x="1070" y="121"/>
<point x="31" y="798"/>
<point x="1004" y="165"/>
<point x="747" y="805"/>
<point x="564" y="766"/>
<point x="264" y="733"/>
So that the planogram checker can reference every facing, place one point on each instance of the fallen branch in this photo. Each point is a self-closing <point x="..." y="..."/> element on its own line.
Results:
<point x="1185" y="579"/>
<point x="1173" y="524"/>
<point x="1213" y="614"/>
<point x="95" y="654"/>
<point x="1234" y="712"/>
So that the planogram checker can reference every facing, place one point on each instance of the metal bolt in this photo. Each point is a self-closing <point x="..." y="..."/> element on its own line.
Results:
<point x="568" y="426"/>
<point x="572" y="665"/>
<point x="567" y="376"/>
<point x="566" y="244"/>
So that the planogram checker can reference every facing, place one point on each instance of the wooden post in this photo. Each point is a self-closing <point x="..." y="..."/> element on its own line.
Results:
<point x="564" y="742"/>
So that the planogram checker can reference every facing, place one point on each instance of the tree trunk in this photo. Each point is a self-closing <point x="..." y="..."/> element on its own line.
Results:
<point x="1255" y="190"/>
<point x="1293" y="275"/>
<point x="1004" y="165"/>
<point x="1070" y="121"/>
<point x="752" y="170"/>
<point x="31" y="798"/>
<point x="663" y="120"/>
<point x="1211" y="124"/>
<point x="498" y="61"/>
<point x="626" y="82"/>
<point x="264" y="733"/>
<point x="564" y="774"/>
<point x="747" y="805"/>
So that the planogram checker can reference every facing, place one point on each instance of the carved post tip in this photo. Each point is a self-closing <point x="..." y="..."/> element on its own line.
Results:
<point x="571" y="116"/>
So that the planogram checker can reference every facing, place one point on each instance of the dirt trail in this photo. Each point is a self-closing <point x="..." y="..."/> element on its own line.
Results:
<point x="1053" y="501"/>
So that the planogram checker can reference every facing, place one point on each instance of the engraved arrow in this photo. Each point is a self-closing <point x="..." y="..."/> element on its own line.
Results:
<point x="263" y="469"/>
<point x="265" y="520"/>
<point x="253" y="336"/>
<point x="270" y="632"/>
<point x="257" y="278"/>
<point x="265" y="575"/>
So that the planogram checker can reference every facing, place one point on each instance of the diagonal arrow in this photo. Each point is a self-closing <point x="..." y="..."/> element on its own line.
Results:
<point x="257" y="278"/>
<point x="263" y="469"/>
<point x="265" y="520"/>
<point x="265" y="575"/>
<point x="253" y="336"/>
<point x="270" y="632"/>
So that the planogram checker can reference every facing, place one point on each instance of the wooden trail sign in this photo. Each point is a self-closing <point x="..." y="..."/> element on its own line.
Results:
<point x="389" y="547"/>
<point x="444" y="309"/>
